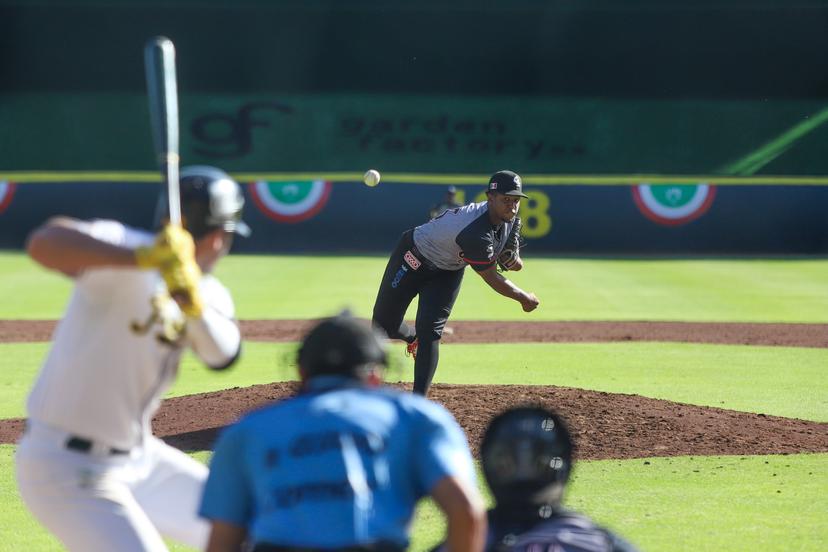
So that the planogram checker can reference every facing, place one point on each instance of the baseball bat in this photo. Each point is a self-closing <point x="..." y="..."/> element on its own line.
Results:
<point x="162" y="91"/>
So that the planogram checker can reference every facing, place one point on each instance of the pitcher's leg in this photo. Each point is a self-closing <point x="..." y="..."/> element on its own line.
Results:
<point x="437" y="298"/>
<point x="425" y="365"/>
<point x="397" y="289"/>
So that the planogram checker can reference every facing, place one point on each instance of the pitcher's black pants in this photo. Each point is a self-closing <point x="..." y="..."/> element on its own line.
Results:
<point x="437" y="289"/>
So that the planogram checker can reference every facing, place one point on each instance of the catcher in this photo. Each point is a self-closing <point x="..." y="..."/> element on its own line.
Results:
<point x="527" y="456"/>
<point x="429" y="261"/>
<point x="88" y="466"/>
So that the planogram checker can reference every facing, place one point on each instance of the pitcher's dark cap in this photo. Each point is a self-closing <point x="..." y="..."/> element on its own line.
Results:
<point x="341" y="345"/>
<point x="507" y="183"/>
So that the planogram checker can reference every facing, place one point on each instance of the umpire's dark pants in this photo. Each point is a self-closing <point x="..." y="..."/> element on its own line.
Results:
<point x="379" y="547"/>
<point x="437" y="289"/>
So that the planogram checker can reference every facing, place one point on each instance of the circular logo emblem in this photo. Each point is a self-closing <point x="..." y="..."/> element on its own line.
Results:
<point x="6" y="193"/>
<point x="673" y="204"/>
<point x="290" y="202"/>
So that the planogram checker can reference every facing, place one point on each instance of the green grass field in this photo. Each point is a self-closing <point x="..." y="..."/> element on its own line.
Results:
<point x="687" y="503"/>
<point x="689" y="290"/>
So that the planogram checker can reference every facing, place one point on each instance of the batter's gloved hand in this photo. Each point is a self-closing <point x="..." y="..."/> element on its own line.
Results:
<point x="173" y="255"/>
<point x="171" y="243"/>
<point x="182" y="278"/>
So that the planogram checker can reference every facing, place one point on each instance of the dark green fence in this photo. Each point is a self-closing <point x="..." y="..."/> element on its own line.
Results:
<point x="583" y="92"/>
<point x="760" y="49"/>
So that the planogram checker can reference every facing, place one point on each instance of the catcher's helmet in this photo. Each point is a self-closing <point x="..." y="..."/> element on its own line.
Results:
<point x="342" y="345"/>
<point x="210" y="199"/>
<point x="526" y="452"/>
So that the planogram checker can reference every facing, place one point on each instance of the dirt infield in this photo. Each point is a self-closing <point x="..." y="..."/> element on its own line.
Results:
<point x="606" y="425"/>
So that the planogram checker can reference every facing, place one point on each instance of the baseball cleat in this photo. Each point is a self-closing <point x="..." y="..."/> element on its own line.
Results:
<point x="411" y="349"/>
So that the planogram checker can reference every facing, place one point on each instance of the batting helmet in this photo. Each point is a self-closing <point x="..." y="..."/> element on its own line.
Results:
<point x="210" y="199"/>
<point x="342" y="345"/>
<point x="526" y="453"/>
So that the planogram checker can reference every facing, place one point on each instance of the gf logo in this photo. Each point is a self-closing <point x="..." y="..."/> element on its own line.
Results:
<point x="232" y="135"/>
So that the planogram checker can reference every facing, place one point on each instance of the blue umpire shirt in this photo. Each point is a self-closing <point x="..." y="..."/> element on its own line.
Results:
<point x="341" y="464"/>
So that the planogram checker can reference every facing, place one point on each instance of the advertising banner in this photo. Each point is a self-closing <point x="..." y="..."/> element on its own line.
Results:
<point x="350" y="217"/>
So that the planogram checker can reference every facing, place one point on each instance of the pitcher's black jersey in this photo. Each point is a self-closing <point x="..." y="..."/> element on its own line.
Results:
<point x="463" y="235"/>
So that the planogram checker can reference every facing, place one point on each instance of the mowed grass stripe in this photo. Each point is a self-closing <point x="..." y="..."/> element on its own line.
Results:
<point x="669" y="504"/>
<point x="298" y="287"/>
<point x="260" y="363"/>
<point x="732" y="503"/>
<point x="709" y="503"/>
<point x="778" y="381"/>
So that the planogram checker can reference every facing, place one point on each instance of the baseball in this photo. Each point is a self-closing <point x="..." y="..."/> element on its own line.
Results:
<point x="371" y="178"/>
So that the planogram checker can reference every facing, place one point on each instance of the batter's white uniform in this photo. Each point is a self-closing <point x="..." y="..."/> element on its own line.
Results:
<point x="98" y="389"/>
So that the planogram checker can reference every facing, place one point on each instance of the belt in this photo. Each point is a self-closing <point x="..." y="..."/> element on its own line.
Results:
<point x="66" y="440"/>
<point x="79" y="444"/>
<point x="409" y="238"/>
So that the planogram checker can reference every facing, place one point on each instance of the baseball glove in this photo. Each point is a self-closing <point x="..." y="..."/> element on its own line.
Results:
<point x="511" y="251"/>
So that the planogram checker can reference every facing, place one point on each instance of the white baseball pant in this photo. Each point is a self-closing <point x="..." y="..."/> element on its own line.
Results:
<point x="97" y="501"/>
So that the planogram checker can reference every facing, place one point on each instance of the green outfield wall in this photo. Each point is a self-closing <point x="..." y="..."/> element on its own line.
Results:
<point x="421" y="134"/>
<point x="345" y="216"/>
<point x="604" y="176"/>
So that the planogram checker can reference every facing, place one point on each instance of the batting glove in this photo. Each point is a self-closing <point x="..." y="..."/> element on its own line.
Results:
<point x="172" y="243"/>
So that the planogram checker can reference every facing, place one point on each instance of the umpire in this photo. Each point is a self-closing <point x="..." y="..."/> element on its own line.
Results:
<point x="429" y="261"/>
<point x="526" y="454"/>
<point x="342" y="465"/>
